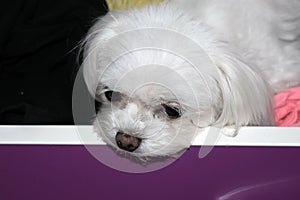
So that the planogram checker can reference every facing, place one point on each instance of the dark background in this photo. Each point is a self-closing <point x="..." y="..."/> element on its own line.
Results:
<point x="38" y="57"/>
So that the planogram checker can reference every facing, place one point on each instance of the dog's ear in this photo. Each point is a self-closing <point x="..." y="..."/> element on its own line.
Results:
<point x="94" y="48"/>
<point x="246" y="96"/>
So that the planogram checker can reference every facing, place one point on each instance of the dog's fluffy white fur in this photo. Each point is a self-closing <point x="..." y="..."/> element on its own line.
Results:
<point x="216" y="62"/>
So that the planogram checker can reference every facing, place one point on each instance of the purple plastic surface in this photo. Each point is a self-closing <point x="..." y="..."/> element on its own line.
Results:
<point x="70" y="172"/>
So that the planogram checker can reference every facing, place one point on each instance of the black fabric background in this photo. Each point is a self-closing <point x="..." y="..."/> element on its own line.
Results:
<point x="37" y="63"/>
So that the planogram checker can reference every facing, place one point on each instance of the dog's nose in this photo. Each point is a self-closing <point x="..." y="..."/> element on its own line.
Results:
<point x="127" y="142"/>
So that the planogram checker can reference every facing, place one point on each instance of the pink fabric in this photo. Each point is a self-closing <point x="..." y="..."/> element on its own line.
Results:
<point x="287" y="107"/>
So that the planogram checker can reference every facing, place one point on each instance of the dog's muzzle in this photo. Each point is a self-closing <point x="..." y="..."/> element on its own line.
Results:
<point x="127" y="142"/>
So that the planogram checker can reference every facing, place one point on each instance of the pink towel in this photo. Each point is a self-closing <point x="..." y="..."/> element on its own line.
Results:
<point x="287" y="107"/>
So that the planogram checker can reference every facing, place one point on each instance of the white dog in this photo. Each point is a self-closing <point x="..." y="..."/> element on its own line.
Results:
<point x="162" y="72"/>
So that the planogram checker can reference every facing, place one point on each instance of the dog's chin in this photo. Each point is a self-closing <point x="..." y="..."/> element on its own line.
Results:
<point x="147" y="154"/>
<point x="169" y="146"/>
<point x="146" y="158"/>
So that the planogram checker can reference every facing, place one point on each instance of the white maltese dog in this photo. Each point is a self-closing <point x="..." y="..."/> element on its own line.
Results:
<point x="163" y="72"/>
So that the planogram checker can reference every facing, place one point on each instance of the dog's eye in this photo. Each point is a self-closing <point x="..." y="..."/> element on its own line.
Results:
<point x="172" y="111"/>
<point x="113" y="96"/>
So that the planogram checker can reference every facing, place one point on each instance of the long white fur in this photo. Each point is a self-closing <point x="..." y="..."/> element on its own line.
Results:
<point x="253" y="46"/>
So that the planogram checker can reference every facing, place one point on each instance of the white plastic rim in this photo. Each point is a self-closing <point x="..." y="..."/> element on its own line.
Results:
<point x="69" y="135"/>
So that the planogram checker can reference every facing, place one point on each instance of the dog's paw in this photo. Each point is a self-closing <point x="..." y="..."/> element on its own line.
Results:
<point x="230" y="131"/>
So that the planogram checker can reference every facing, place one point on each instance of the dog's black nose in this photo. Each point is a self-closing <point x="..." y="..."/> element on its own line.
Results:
<point x="127" y="142"/>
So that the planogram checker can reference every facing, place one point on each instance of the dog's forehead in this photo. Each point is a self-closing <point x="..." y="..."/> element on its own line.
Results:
<point x="156" y="83"/>
<point x="152" y="94"/>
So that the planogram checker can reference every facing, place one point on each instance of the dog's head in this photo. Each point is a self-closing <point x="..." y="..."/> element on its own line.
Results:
<point x="152" y="110"/>
<point x="160" y="81"/>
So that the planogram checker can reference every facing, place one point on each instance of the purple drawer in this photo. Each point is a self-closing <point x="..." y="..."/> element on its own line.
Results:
<point x="50" y="172"/>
